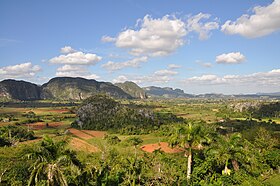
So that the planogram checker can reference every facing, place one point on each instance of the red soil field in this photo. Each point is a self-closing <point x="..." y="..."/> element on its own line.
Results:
<point x="42" y="125"/>
<point x="59" y="110"/>
<point x="81" y="145"/>
<point x="94" y="133"/>
<point x="162" y="145"/>
<point x="80" y="134"/>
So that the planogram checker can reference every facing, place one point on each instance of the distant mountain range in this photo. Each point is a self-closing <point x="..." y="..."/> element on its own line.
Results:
<point x="166" y="92"/>
<point x="69" y="88"/>
<point x="59" y="88"/>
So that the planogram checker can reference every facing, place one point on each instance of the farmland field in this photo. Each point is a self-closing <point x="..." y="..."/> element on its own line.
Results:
<point x="151" y="148"/>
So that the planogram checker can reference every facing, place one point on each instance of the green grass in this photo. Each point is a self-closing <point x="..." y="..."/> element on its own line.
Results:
<point x="274" y="180"/>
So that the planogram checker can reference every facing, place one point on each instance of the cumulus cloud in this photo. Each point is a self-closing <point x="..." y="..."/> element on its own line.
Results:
<point x="203" y="28"/>
<point x="165" y="72"/>
<point x="264" y="20"/>
<point x="230" y="58"/>
<point x="75" y="63"/>
<point x="75" y="71"/>
<point x="120" y="79"/>
<point x="67" y="50"/>
<point x="135" y="62"/>
<point x="155" y="79"/>
<point x="173" y="66"/>
<point x="76" y="58"/>
<point x="161" y="36"/>
<point x="66" y="68"/>
<point x="107" y="39"/>
<point x="158" y="77"/>
<point x="23" y="70"/>
<point x="155" y="37"/>
<point x="260" y="79"/>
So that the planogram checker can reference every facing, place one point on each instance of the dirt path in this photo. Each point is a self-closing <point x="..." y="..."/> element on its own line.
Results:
<point x="81" y="145"/>
<point x="162" y="145"/>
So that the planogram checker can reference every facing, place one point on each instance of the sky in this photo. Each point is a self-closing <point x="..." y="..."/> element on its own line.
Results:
<point x="230" y="47"/>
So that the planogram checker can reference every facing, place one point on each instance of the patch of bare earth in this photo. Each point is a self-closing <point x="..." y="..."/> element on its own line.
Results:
<point x="42" y="125"/>
<point x="94" y="133"/>
<point x="80" y="134"/>
<point x="59" y="110"/>
<point x="162" y="146"/>
<point x="81" y="145"/>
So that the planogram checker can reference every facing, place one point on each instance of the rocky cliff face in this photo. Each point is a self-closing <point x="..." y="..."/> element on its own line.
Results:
<point x="20" y="90"/>
<point x="68" y="88"/>
<point x="132" y="89"/>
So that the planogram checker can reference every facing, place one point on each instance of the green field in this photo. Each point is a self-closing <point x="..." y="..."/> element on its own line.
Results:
<point x="127" y="162"/>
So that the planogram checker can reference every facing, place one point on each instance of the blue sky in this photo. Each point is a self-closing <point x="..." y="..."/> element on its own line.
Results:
<point x="198" y="46"/>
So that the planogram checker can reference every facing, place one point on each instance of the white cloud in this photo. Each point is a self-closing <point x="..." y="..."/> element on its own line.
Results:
<point x="120" y="79"/>
<point x="230" y="58"/>
<point x="173" y="66"/>
<point x="135" y="62"/>
<point x="75" y="71"/>
<point x="23" y="70"/>
<point x="67" y="68"/>
<point x="76" y="58"/>
<point x="107" y="39"/>
<point x="260" y="79"/>
<point x="155" y="37"/>
<point x="264" y="20"/>
<point x="165" y="72"/>
<point x="158" y="77"/>
<point x="155" y="79"/>
<point x="207" y="65"/>
<point x="67" y="50"/>
<point x="75" y="63"/>
<point x="195" y="24"/>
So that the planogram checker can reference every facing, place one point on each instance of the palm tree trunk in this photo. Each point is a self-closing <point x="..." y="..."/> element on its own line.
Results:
<point x="189" y="170"/>
<point x="235" y="165"/>
<point x="226" y="170"/>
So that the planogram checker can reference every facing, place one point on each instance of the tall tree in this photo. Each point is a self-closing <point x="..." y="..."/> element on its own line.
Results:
<point x="227" y="148"/>
<point x="190" y="136"/>
<point x="52" y="159"/>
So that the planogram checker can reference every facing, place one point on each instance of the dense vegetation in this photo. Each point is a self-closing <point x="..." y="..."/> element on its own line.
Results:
<point x="10" y="135"/>
<point x="217" y="146"/>
<point x="100" y="112"/>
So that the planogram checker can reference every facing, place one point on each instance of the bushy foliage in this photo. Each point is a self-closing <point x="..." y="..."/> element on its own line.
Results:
<point x="112" y="139"/>
<point x="103" y="113"/>
<point x="267" y="110"/>
<point x="247" y="162"/>
<point x="11" y="134"/>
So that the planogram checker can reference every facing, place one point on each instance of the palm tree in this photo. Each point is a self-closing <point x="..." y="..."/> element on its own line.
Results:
<point x="227" y="148"/>
<point x="189" y="137"/>
<point x="52" y="159"/>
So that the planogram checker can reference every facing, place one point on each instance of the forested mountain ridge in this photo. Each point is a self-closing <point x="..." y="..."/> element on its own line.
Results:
<point x="19" y="90"/>
<point x="132" y="89"/>
<point x="59" y="88"/>
<point x="68" y="88"/>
